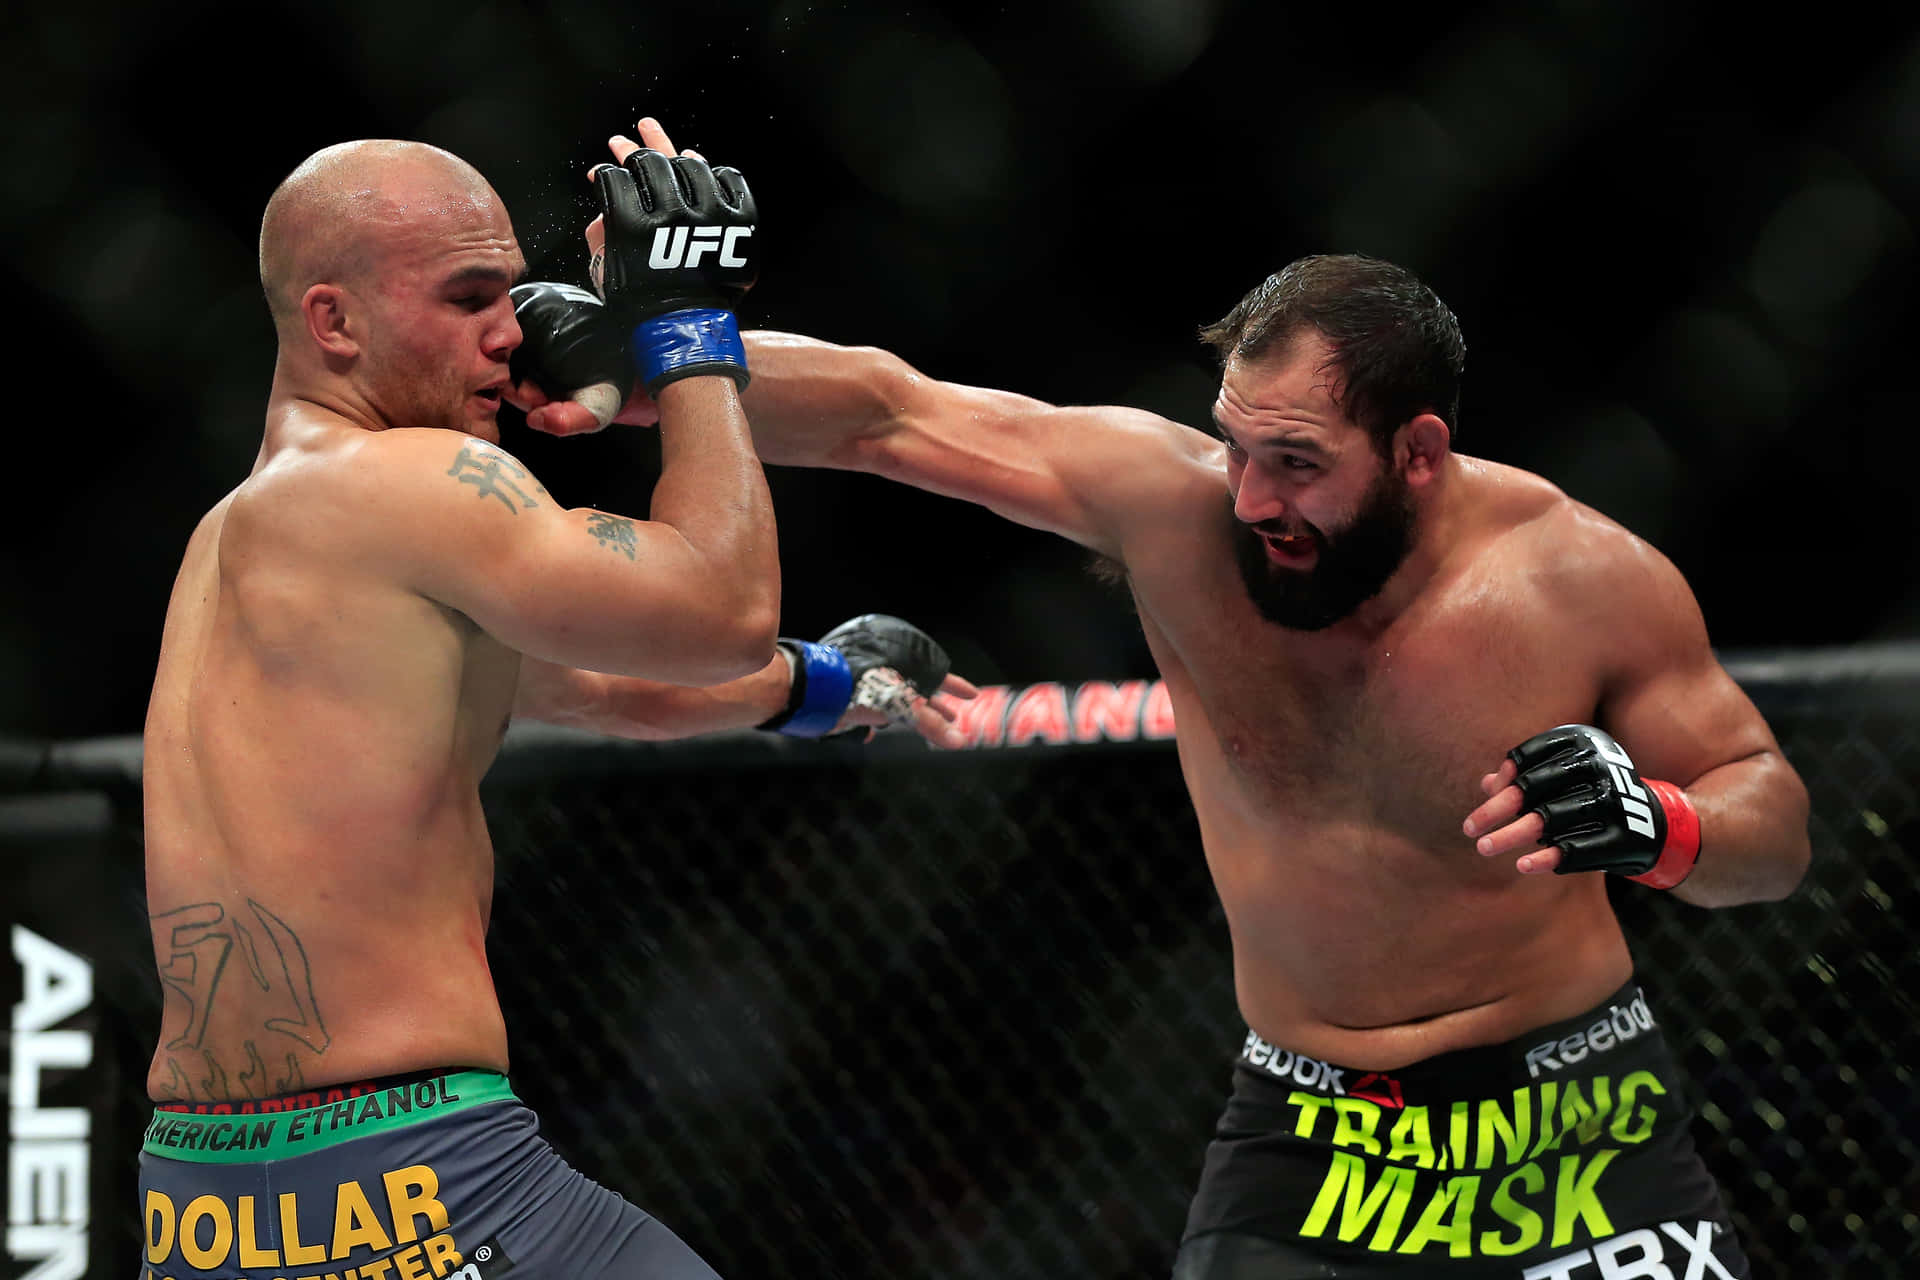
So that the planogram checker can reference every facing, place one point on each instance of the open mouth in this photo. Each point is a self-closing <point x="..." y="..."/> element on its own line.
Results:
<point x="1290" y="548"/>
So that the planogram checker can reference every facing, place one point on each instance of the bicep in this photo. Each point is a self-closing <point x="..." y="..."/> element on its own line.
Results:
<point x="1669" y="700"/>
<point x="1087" y="473"/>
<point x="574" y="587"/>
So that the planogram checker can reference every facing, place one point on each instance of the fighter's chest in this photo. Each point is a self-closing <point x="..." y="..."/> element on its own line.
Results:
<point x="1310" y="716"/>
<point x="1419" y="710"/>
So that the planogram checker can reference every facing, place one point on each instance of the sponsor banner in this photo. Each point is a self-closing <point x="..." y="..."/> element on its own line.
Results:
<point x="393" y="1226"/>
<point x="1058" y="714"/>
<point x="55" y="856"/>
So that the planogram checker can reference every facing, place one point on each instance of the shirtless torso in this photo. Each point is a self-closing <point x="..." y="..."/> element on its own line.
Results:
<point x="319" y="871"/>
<point x="1330" y="773"/>
<point x="352" y="628"/>
<point x="1333" y="771"/>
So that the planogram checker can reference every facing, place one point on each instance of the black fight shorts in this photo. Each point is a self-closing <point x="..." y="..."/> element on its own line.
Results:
<point x="440" y="1176"/>
<point x="1563" y="1155"/>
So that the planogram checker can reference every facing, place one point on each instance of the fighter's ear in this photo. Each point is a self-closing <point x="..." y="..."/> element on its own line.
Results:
<point x="324" y="311"/>
<point x="1421" y="445"/>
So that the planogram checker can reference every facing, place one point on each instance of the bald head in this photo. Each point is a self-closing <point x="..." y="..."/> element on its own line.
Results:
<point x="345" y="206"/>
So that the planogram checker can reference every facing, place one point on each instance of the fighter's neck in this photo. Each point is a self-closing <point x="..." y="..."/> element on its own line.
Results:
<point x="1442" y="515"/>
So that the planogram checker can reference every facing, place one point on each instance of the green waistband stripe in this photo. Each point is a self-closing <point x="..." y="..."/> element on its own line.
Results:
<point x="278" y="1135"/>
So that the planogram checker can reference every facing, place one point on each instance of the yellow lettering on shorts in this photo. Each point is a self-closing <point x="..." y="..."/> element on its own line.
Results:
<point x="354" y="1223"/>
<point x="290" y="1233"/>
<point x="1578" y="1116"/>
<point x="160" y="1217"/>
<point x="1512" y="1137"/>
<point x="1630" y="1123"/>
<point x="1453" y="1200"/>
<point x="1511" y="1210"/>
<point x="1549" y="1130"/>
<point x="1355" y="1119"/>
<point x="410" y="1191"/>
<point x="411" y="1263"/>
<point x="215" y="1209"/>
<point x="251" y="1254"/>
<point x="1410" y="1140"/>
<point x="1456" y="1153"/>
<point x="1309" y="1104"/>
<point x="1573" y="1197"/>
<point x="1388" y="1198"/>
<point x="442" y="1256"/>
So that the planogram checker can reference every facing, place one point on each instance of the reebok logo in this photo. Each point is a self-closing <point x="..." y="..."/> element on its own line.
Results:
<point x="685" y="246"/>
<point x="1622" y="1023"/>
<point x="1284" y="1064"/>
<point x="1633" y="800"/>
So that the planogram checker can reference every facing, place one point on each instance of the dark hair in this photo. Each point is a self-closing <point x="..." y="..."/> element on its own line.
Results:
<point x="1396" y="346"/>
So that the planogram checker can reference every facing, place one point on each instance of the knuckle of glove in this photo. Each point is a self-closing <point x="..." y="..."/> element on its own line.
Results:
<point x="569" y="341"/>
<point x="1561" y="742"/>
<point x="1607" y="851"/>
<point x="1558" y="775"/>
<point x="680" y="242"/>
<point x="1569" y="814"/>
<point x="1583" y="786"/>
<point x="881" y="640"/>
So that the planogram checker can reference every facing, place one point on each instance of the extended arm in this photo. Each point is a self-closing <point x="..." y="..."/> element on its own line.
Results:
<point x="1086" y="473"/>
<point x="869" y="672"/>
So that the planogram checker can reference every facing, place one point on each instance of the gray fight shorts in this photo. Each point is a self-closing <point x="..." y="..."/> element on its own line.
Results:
<point x="441" y="1176"/>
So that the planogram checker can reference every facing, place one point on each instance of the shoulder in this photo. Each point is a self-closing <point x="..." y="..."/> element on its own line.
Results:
<point x="419" y="463"/>
<point x="380" y="491"/>
<point x="1579" y="560"/>
<point x="1139" y="457"/>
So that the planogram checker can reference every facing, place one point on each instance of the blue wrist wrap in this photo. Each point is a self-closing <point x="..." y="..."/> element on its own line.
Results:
<point x="681" y="344"/>
<point x="823" y="684"/>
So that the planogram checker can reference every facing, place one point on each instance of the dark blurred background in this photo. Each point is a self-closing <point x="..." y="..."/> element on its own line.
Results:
<point x="1681" y="243"/>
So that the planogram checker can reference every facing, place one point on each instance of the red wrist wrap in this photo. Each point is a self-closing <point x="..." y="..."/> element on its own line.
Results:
<point x="1683" y="837"/>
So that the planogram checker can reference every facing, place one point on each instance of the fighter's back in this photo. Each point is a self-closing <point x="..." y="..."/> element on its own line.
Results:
<point x="314" y="743"/>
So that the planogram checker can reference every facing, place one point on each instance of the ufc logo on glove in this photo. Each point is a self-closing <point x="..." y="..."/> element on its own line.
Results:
<point x="685" y="246"/>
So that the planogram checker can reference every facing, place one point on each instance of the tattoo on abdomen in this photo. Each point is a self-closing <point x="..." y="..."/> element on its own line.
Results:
<point x="613" y="531"/>
<point x="200" y="941"/>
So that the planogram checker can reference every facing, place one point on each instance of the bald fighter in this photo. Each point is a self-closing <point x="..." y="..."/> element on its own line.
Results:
<point x="350" y="632"/>
<point x="1427" y="704"/>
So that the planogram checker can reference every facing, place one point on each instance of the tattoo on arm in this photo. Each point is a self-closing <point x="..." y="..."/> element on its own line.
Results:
<point x="613" y="531"/>
<point x="494" y="475"/>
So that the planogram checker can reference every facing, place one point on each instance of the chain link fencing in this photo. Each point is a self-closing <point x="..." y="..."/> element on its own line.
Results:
<point x="970" y="1015"/>
<point x="851" y="1012"/>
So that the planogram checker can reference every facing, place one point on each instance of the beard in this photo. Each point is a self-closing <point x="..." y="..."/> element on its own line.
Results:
<point x="1351" y="567"/>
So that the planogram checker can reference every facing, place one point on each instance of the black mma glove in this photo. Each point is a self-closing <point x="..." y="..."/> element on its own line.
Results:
<point x="572" y="347"/>
<point x="1601" y="813"/>
<point x="679" y="255"/>
<point x="874" y="661"/>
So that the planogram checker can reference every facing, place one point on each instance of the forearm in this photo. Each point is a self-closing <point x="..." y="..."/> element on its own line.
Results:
<point x="815" y="404"/>
<point x="628" y="707"/>
<point x="1753" y="833"/>
<point x="713" y="493"/>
